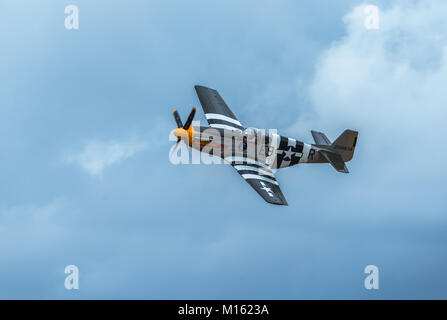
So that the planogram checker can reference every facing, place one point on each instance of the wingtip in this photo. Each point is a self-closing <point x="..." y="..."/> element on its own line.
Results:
<point x="282" y="203"/>
<point x="199" y="87"/>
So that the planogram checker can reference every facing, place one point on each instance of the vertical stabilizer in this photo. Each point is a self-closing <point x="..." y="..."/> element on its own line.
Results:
<point x="345" y="144"/>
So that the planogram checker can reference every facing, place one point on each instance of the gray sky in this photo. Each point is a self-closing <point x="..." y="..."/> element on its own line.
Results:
<point x="85" y="177"/>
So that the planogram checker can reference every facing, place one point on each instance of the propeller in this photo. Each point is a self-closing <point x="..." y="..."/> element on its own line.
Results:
<point x="174" y="150"/>
<point x="180" y="132"/>
<point x="177" y="119"/>
<point x="190" y="118"/>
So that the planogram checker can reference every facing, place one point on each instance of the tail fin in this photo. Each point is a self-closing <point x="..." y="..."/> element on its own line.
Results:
<point x="345" y="144"/>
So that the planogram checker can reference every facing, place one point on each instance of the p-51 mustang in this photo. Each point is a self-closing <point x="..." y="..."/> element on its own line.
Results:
<point x="255" y="155"/>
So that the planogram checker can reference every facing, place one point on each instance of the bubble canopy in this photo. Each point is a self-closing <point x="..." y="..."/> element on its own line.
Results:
<point x="251" y="131"/>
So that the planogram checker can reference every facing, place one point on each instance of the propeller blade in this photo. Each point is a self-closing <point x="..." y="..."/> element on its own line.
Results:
<point x="173" y="150"/>
<point x="177" y="119"/>
<point x="190" y="118"/>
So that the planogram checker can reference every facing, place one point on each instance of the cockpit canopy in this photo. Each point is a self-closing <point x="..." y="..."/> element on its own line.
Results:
<point x="251" y="131"/>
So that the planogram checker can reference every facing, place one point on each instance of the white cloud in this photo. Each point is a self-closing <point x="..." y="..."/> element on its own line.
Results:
<point x="97" y="155"/>
<point x="390" y="85"/>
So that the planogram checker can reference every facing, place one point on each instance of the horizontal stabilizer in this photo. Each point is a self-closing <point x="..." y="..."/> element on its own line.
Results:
<point x="335" y="160"/>
<point x="320" y="138"/>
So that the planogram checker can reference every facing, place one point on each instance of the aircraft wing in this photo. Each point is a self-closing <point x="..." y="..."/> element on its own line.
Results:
<point x="261" y="178"/>
<point x="216" y="110"/>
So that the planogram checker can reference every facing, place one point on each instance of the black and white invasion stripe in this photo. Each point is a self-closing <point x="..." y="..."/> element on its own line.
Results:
<point x="255" y="171"/>
<point x="217" y="120"/>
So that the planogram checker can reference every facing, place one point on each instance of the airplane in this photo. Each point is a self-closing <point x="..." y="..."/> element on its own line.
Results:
<point x="255" y="155"/>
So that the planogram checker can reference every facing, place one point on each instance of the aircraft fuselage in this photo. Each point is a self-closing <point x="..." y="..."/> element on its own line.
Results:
<point x="273" y="149"/>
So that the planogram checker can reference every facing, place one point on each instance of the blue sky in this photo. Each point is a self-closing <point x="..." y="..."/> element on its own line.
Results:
<point x="85" y="177"/>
